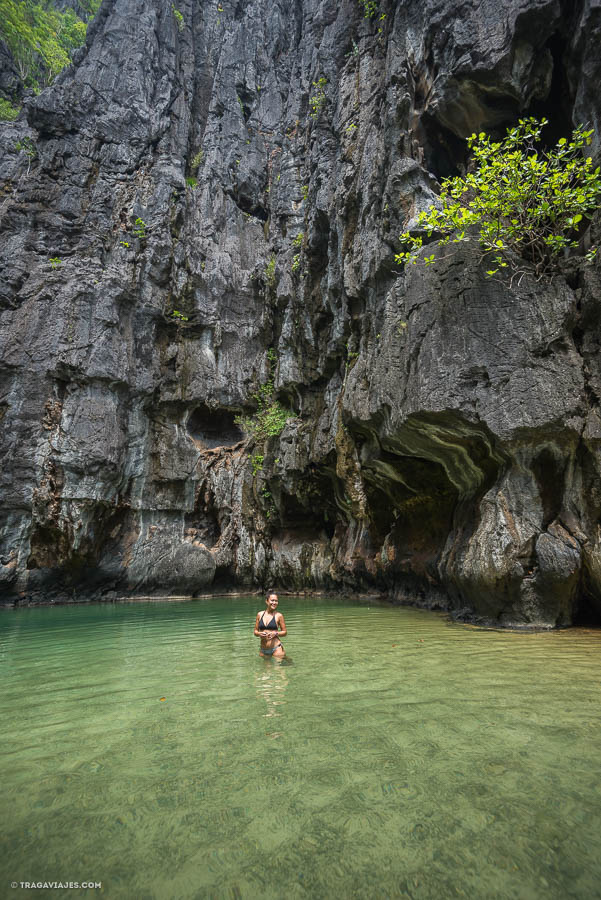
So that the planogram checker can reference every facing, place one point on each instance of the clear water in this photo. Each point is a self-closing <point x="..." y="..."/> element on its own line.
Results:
<point x="394" y="754"/>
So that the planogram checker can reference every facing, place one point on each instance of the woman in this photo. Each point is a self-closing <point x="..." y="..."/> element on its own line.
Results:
<point x="270" y="626"/>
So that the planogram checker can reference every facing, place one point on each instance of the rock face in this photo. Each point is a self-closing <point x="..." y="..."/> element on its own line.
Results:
<point x="445" y="445"/>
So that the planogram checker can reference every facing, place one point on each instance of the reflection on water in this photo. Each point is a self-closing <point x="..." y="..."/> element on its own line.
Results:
<point x="271" y="686"/>
<point x="400" y="756"/>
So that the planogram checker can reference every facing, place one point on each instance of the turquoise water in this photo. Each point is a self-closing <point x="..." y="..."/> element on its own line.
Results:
<point x="394" y="754"/>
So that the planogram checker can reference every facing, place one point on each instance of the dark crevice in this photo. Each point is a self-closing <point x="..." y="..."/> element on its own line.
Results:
<point x="445" y="155"/>
<point x="310" y="505"/>
<point x="557" y="106"/>
<point x="247" y="100"/>
<point x="587" y="612"/>
<point x="202" y="526"/>
<point x="248" y="206"/>
<point x="549" y="474"/>
<point x="300" y="515"/>
<point x="318" y="244"/>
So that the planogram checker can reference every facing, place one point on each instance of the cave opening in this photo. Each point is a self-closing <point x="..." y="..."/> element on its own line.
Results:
<point x="213" y="427"/>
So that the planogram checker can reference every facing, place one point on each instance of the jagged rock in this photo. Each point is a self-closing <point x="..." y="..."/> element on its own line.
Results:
<point x="445" y="444"/>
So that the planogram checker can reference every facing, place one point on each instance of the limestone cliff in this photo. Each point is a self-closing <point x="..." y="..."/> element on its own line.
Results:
<point x="446" y="440"/>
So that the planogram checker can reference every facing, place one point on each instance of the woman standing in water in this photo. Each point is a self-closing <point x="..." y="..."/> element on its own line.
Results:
<point x="270" y="627"/>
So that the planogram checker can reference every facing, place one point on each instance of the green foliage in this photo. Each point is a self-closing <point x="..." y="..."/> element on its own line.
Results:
<point x="8" y="112"/>
<point x="296" y="259"/>
<point x="27" y="146"/>
<point x="176" y="314"/>
<point x="139" y="229"/>
<point x="370" y="8"/>
<point x="125" y="244"/>
<point x="178" y="17"/>
<point x="55" y="261"/>
<point x="268" y="501"/>
<point x="317" y="101"/>
<point x="523" y="206"/>
<point x="40" y="38"/>
<point x="197" y="159"/>
<point x="192" y="182"/>
<point x="269" y="273"/>
<point x="257" y="463"/>
<point x="270" y="417"/>
<point x="305" y="191"/>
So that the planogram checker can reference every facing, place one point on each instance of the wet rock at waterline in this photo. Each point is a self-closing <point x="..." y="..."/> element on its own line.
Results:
<point x="177" y="230"/>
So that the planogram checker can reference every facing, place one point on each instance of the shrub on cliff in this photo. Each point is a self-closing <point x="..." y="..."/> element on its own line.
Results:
<point x="524" y="207"/>
<point x="8" y="112"/>
<point x="271" y="417"/>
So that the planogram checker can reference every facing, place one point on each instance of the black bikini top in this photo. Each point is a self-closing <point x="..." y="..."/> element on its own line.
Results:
<point x="271" y="627"/>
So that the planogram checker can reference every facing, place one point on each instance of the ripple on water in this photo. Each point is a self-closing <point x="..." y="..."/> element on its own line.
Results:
<point x="398" y="755"/>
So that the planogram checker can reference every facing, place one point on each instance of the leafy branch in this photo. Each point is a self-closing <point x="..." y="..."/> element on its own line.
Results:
<point x="524" y="207"/>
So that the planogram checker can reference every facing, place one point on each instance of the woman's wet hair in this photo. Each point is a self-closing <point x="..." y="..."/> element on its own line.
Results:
<point x="269" y="593"/>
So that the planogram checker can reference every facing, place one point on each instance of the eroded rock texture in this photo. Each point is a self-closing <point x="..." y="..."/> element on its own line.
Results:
<point x="446" y="445"/>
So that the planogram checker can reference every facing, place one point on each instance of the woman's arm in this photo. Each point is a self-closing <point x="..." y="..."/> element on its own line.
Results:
<point x="257" y="632"/>
<point x="279" y="621"/>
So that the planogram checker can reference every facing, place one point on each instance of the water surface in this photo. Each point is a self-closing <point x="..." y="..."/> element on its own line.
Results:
<point x="399" y="755"/>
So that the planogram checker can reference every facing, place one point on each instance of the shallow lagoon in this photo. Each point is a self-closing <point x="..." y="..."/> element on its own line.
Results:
<point x="394" y="754"/>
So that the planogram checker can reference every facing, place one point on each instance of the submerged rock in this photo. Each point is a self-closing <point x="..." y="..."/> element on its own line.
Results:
<point x="209" y="200"/>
